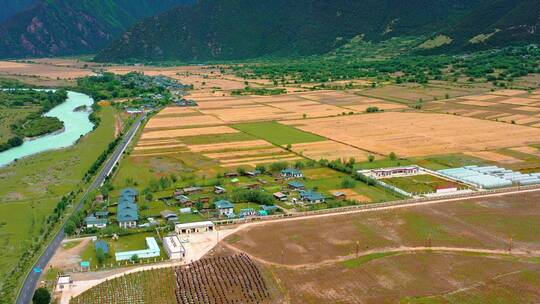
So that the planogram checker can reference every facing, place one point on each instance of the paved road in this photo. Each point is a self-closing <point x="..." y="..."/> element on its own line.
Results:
<point x="30" y="283"/>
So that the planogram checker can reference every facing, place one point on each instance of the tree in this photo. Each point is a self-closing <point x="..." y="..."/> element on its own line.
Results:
<point x="392" y="156"/>
<point x="261" y="168"/>
<point x="278" y="166"/>
<point x="348" y="183"/>
<point x="70" y="227"/>
<point x="135" y="258"/>
<point x="100" y="255"/>
<point x="41" y="296"/>
<point x="371" y="158"/>
<point x="289" y="147"/>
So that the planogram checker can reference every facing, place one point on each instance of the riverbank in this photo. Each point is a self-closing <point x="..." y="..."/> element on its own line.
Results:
<point x="31" y="188"/>
<point x="76" y="124"/>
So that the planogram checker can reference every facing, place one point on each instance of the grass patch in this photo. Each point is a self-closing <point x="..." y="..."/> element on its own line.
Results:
<point x="356" y="262"/>
<point x="420" y="183"/>
<point x="440" y="162"/>
<point x="277" y="133"/>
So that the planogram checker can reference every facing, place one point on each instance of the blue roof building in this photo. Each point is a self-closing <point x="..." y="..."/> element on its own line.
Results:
<point x="127" y="214"/>
<point x="225" y="208"/>
<point x="295" y="185"/>
<point x="311" y="197"/>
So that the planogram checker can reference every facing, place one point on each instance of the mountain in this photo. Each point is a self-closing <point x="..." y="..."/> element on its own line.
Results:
<point x="497" y="23"/>
<point x="12" y="7"/>
<point x="240" y="29"/>
<point x="66" y="27"/>
<point x="237" y="29"/>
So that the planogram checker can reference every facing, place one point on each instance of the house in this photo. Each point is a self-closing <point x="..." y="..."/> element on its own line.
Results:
<point x="127" y="215"/>
<point x="169" y="215"/>
<point x="269" y="209"/>
<point x="195" y="227"/>
<point x="101" y="214"/>
<point x="204" y="199"/>
<point x="311" y="197"/>
<point x="224" y="208"/>
<point x="280" y="196"/>
<point x="94" y="222"/>
<point x="247" y="212"/>
<point x="341" y="196"/>
<point x="189" y="190"/>
<point x="252" y="186"/>
<point x="295" y="185"/>
<point x="291" y="173"/>
<point x="185" y="210"/>
<point x="129" y="192"/>
<point x="183" y="199"/>
<point x="101" y="244"/>
<point x="174" y="248"/>
<point x="219" y="190"/>
<point x="231" y="174"/>
<point x="253" y="173"/>
<point x="132" y="111"/>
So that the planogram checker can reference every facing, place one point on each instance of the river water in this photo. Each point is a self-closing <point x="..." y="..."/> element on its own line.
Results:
<point x="76" y="124"/>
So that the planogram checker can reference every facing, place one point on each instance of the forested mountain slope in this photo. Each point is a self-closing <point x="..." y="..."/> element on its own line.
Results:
<point x="66" y="27"/>
<point x="237" y="29"/>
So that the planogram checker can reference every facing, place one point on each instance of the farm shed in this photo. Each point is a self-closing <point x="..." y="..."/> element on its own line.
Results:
<point x="174" y="248"/>
<point x="151" y="251"/>
<point x="339" y="195"/>
<point x="169" y="215"/>
<point x="248" y="212"/>
<point x="280" y="196"/>
<point x="187" y="228"/>
<point x="397" y="171"/>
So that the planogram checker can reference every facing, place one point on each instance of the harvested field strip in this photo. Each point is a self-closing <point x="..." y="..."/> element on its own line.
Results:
<point x="224" y="155"/>
<point x="509" y="92"/>
<point x="254" y="163"/>
<point x="157" y="142"/>
<point x="478" y="103"/>
<point x="175" y="110"/>
<point x="229" y="145"/>
<point x="518" y="101"/>
<point x="528" y="150"/>
<point x="188" y="132"/>
<point x="257" y="158"/>
<point x="419" y="134"/>
<point x="141" y="148"/>
<point x="173" y="122"/>
<point x="329" y="150"/>
<point x="528" y="109"/>
<point x="140" y="154"/>
<point x="494" y="157"/>
<point x="277" y="133"/>
<point x="480" y="97"/>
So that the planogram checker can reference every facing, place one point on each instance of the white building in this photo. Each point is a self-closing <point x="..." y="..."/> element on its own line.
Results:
<point x="196" y="227"/>
<point x="63" y="282"/>
<point x="174" y="248"/>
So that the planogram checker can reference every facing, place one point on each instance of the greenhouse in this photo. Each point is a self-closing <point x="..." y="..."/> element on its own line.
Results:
<point x="490" y="177"/>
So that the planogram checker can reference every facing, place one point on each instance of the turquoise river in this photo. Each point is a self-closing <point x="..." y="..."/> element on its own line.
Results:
<point x="76" y="124"/>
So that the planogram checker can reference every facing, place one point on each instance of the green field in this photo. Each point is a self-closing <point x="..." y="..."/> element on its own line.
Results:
<point x="420" y="183"/>
<point x="31" y="188"/>
<point x="277" y="133"/>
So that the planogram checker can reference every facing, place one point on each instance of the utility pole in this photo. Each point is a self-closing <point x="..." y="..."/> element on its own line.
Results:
<point x="510" y="245"/>
<point x="357" y="248"/>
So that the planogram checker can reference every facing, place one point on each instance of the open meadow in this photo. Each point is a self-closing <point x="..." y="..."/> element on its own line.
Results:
<point x="31" y="188"/>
